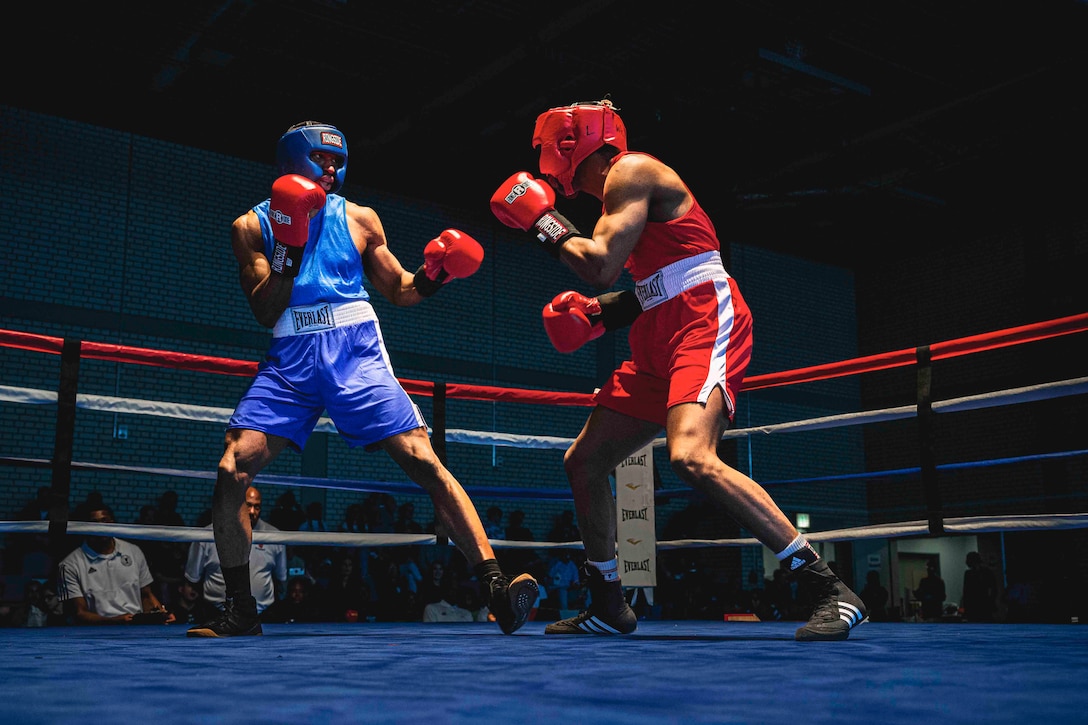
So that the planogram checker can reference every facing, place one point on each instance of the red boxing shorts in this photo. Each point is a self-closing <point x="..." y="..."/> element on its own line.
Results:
<point x="695" y="338"/>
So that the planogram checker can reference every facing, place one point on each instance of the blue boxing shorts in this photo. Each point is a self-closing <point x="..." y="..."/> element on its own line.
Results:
<point x="344" y="370"/>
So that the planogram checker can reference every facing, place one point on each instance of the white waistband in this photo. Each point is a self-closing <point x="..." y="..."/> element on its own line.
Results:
<point x="672" y="279"/>
<point x="324" y="316"/>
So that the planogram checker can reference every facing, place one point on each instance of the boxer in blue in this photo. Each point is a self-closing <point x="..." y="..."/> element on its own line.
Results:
<point x="302" y="255"/>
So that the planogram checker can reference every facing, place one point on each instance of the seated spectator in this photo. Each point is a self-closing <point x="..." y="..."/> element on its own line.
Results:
<point x="433" y="586"/>
<point x="188" y="604"/>
<point x="406" y="520"/>
<point x="565" y="529"/>
<point x="267" y="563"/>
<point x="298" y="606"/>
<point x="493" y="524"/>
<point x="39" y="608"/>
<point x="107" y="580"/>
<point x="315" y="518"/>
<point x="474" y="602"/>
<point x="29" y="554"/>
<point x="345" y="598"/>
<point x="448" y="608"/>
<point x="564" y="579"/>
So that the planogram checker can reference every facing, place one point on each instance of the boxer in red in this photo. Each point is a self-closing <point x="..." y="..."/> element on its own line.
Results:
<point x="690" y="338"/>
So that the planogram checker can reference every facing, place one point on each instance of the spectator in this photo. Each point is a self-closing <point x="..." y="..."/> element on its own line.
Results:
<point x="979" y="590"/>
<point x="268" y="563"/>
<point x="166" y="559"/>
<point x="353" y="522"/>
<point x="931" y="593"/>
<point x="448" y="608"/>
<point x="39" y="608"/>
<point x="875" y="596"/>
<point x="518" y="559"/>
<point x="564" y="579"/>
<point x="315" y="518"/>
<point x="298" y="606"/>
<point x="406" y="522"/>
<point x="565" y="529"/>
<point x="387" y="513"/>
<point x="433" y="586"/>
<point x="318" y="559"/>
<point x="493" y="524"/>
<point x="29" y="554"/>
<point x="409" y="578"/>
<point x="287" y="515"/>
<point x="147" y="515"/>
<point x="346" y="598"/>
<point x="107" y="580"/>
<point x="188" y="604"/>
<point x="166" y="512"/>
<point x="37" y="508"/>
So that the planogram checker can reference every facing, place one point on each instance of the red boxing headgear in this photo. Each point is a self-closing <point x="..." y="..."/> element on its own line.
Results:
<point x="567" y="135"/>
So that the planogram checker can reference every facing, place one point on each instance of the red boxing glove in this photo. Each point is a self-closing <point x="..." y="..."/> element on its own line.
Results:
<point x="572" y="319"/>
<point x="525" y="203"/>
<point x="567" y="320"/>
<point x="450" y="255"/>
<point x="293" y="198"/>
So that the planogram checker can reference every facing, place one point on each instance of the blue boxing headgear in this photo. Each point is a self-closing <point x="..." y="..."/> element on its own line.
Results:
<point x="295" y="146"/>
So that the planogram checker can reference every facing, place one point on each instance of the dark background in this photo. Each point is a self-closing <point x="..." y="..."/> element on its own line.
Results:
<point x="829" y="130"/>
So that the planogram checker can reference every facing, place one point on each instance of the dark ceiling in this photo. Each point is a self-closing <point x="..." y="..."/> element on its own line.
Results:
<point x="823" y="129"/>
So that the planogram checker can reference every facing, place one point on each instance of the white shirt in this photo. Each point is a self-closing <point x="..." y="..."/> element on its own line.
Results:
<point x="266" y="562"/>
<point x="443" y="611"/>
<point x="110" y="583"/>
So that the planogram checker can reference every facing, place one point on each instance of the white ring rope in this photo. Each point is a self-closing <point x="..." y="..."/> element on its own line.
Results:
<point x="209" y="414"/>
<point x="962" y="525"/>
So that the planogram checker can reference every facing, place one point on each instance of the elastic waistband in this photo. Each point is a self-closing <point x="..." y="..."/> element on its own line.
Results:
<point x="320" y="317"/>
<point x="672" y="279"/>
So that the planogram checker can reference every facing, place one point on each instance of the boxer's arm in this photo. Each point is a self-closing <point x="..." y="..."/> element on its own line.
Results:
<point x="635" y="184"/>
<point x="382" y="268"/>
<point x="268" y="294"/>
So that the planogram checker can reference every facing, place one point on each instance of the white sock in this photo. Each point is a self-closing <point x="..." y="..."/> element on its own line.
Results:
<point x="609" y="569"/>
<point x="794" y="545"/>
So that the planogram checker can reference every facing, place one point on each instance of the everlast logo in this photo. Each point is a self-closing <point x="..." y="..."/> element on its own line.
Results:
<point x="643" y="565"/>
<point x="279" y="217"/>
<point x="309" y="317"/>
<point x="651" y="288"/>
<point x="518" y="190"/>
<point x="641" y="514"/>
<point x="635" y="461"/>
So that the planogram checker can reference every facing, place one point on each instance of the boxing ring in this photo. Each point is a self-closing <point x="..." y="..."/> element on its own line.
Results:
<point x="667" y="671"/>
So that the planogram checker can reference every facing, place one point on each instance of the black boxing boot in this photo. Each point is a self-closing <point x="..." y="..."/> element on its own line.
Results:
<point x="607" y="613"/>
<point x="837" y="610"/>
<point x="510" y="600"/>
<point x="238" y="619"/>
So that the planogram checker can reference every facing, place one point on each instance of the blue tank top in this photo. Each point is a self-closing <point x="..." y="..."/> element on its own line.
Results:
<point x="332" y="270"/>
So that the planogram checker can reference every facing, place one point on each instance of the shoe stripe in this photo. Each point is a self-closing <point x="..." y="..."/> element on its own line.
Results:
<point x="850" y="614"/>
<point x="597" y="626"/>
